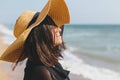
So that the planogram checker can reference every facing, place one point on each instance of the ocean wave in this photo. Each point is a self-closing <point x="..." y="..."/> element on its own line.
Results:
<point x="79" y="67"/>
<point x="82" y="34"/>
<point x="8" y="37"/>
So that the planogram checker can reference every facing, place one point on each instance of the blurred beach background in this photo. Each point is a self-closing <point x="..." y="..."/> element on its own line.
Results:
<point x="92" y="50"/>
<point x="92" y="38"/>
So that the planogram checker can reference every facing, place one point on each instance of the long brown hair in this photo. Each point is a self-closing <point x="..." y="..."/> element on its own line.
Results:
<point x="39" y="46"/>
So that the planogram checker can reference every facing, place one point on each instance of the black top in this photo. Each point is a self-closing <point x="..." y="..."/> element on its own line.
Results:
<point x="41" y="72"/>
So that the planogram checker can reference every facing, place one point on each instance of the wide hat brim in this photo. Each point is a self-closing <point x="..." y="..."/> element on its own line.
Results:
<point x="56" y="9"/>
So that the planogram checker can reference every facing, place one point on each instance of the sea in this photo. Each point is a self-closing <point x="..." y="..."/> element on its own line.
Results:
<point x="93" y="50"/>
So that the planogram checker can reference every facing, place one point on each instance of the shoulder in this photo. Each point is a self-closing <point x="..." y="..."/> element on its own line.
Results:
<point x="41" y="73"/>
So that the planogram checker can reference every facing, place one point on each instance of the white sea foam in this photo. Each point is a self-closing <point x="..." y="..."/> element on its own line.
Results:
<point x="79" y="67"/>
<point x="7" y="34"/>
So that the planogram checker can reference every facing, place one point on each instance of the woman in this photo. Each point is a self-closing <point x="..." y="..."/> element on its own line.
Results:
<point x="39" y="39"/>
<point x="43" y="48"/>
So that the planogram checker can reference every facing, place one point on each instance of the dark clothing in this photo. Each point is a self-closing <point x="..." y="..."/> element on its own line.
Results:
<point x="41" y="72"/>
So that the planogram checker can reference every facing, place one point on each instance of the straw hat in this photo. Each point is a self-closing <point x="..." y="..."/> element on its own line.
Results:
<point x="56" y="9"/>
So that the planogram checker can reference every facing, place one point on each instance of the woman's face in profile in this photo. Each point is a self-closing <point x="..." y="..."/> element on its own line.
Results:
<point x="56" y="35"/>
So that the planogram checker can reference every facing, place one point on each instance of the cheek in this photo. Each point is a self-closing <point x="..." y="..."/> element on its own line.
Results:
<point x="57" y="40"/>
<point x="56" y="37"/>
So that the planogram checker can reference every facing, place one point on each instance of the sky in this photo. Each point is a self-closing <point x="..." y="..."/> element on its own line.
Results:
<point x="81" y="11"/>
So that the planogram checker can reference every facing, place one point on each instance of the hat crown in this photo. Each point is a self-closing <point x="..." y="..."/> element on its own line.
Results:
<point x="22" y="22"/>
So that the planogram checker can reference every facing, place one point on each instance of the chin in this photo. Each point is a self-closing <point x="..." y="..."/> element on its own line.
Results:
<point x="57" y="44"/>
